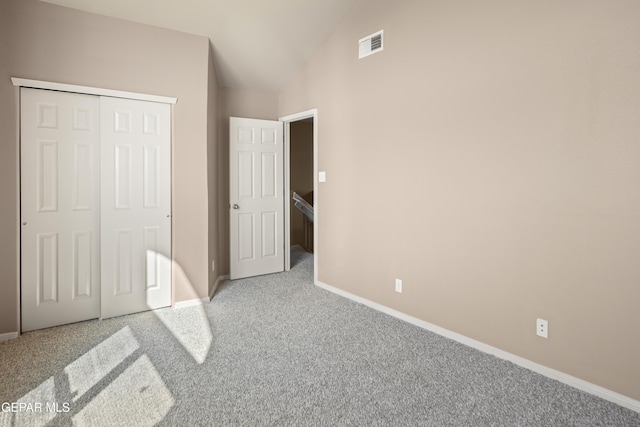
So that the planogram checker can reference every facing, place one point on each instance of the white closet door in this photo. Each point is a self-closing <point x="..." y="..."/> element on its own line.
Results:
<point x="135" y="141"/>
<point x="60" y="205"/>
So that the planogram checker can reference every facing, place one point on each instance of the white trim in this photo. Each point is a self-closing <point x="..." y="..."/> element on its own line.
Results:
<point x="191" y="303"/>
<point x="38" y="84"/>
<point x="312" y="113"/>
<point x="315" y="195"/>
<point x="9" y="336"/>
<point x="567" y="379"/>
<point x="287" y="192"/>
<point x="219" y="280"/>
<point x="201" y="301"/>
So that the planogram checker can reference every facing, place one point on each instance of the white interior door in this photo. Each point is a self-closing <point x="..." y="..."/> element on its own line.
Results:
<point x="256" y="175"/>
<point x="135" y="141"/>
<point x="60" y="208"/>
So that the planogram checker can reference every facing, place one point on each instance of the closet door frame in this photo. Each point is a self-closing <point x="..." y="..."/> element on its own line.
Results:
<point x="88" y="90"/>
<point x="85" y="90"/>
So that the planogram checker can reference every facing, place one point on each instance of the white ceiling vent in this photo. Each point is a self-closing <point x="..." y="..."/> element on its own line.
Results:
<point x="371" y="44"/>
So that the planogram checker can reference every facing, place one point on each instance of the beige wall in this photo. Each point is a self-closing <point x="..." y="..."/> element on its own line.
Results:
<point x="47" y="42"/>
<point x="9" y="219"/>
<point x="235" y="103"/>
<point x="494" y="146"/>
<point x="301" y="174"/>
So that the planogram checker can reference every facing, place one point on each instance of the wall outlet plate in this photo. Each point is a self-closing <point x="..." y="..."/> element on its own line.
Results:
<point x="542" y="328"/>
<point x="399" y="286"/>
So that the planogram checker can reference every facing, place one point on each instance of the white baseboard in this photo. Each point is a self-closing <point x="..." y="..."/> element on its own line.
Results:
<point x="200" y="301"/>
<point x="219" y="280"/>
<point x="9" y="336"/>
<point x="191" y="302"/>
<point x="567" y="379"/>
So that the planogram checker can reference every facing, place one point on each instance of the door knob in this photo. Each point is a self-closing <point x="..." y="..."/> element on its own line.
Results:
<point x="24" y="223"/>
<point x="235" y="206"/>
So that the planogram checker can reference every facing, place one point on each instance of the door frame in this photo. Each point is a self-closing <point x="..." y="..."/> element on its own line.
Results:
<point x="313" y="114"/>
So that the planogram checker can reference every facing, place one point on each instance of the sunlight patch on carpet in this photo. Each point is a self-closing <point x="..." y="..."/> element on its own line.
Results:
<point x="86" y="371"/>
<point x="139" y="394"/>
<point x="190" y="326"/>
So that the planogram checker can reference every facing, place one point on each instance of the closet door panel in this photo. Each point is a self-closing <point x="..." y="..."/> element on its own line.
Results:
<point x="136" y="206"/>
<point x="60" y="208"/>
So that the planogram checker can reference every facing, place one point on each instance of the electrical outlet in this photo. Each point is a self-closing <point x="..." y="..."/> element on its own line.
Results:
<point x="213" y="265"/>
<point x="399" y="286"/>
<point x="542" y="328"/>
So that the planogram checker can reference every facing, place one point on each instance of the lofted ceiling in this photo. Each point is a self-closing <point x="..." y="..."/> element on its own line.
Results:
<point x="257" y="44"/>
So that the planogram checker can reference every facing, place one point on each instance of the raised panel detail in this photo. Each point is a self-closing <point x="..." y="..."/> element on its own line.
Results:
<point x="245" y="136"/>
<point x="269" y="136"/>
<point x="81" y="118"/>
<point x="151" y="237"/>
<point x="151" y="124"/>
<point x="151" y="184"/>
<point x="246" y="236"/>
<point x="124" y="262"/>
<point x="246" y="177"/>
<point x="123" y="176"/>
<point x="47" y="176"/>
<point x="47" y="116"/>
<point x="82" y="255"/>
<point x="122" y="121"/>
<point x="82" y="177"/>
<point x="269" y="236"/>
<point x="269" y="182"/>
<point x="47" y="268"/>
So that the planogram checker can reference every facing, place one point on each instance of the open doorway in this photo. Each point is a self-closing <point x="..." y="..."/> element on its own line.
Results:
<point x="301" y="184"/>
<point x="301" y="213"/>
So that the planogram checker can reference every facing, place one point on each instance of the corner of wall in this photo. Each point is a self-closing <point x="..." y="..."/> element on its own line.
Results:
<point x="212" y="167"/>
